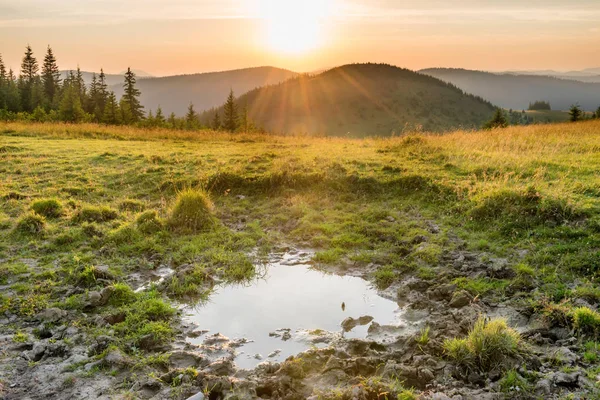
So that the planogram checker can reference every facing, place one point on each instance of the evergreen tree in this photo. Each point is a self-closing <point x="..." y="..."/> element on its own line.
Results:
<point x="131" y="98"/>
<point x="3" y="84"/>
<point x="50" y="78"/>
<point x="230" y="116"/>
<point x="497" y="121"/>
<point x="172" y="120"/>
<point x="70" y="109"/>
<point x="27" y="81"/>
<point x="191" y="117"/>
<point x="159" y="118"/>
<point x="92" y="99"/>
<point x="13" y="96"/>
<point x="216" y="122"/>
<point x="112" y="114"/>
<point x="102" y="91"/>
<point x="575" y="113"/>
<point x="597" y="115"/>
<point x="80" y="88"/>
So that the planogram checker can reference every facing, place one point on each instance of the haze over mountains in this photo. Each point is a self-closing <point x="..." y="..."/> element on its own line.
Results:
<point x="361" y="99"/>
<point x="517" y="91"/>
<point x="585" y="75"/>
<point x="207" y="90"/>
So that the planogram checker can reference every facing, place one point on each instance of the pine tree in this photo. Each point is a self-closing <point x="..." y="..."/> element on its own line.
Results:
<point x="29" y="70"/>
<point x="216" y="122"/>
<point x="92" y="99"/>
<point x="102" y="92"/>
<point x="13" y="95"/>
<point x="70" y="109"/>
<point x="497" y="121"/>
<point x="50" y="78"/>
<point x="3" y="84"/>
<point x="597" y="115"/>
<point x="575" y="113"/>
<point x="230" y="116"/>
<point x="159" y="118"/>
<point x="112" y="114"/>
<point x="172" y="120"/>
<point x="80" y="88"/>
<point x="131" y="97"/>
<point x="191" y="117"/>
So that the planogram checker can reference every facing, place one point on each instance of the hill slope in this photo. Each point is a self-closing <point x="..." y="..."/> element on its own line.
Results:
<point x="517" y="91"/>
<point x="174" y="93"/>
<point x="362" y="99"/>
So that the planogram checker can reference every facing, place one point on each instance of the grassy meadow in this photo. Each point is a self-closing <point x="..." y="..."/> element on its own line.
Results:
<point x="85" y="206"/>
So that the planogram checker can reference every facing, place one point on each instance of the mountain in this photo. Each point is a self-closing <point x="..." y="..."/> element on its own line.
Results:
<point x="111" y="79"/>
<point x="584" y="75"/>
<point x="174" y="93"/>
<point x="517" y="91"/>
<point x="138" y="73"/>
<point x="362" y="99"/>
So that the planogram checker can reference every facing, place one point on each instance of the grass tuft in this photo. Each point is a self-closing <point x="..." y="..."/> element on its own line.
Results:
<point x="31" y="224"/>
<point x="192" y="212"/>
<point x="95" y="214"/>
<point x="49" y="208"/>
<point x="487" y="346"/>
<point x="586" y="321"/>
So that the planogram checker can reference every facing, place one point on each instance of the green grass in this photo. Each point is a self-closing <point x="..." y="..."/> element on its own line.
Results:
<point x="397" y="207"/>
<point x="192" y="211"/>
<point x="49" y="208"/>
<point x="486" y="347"/>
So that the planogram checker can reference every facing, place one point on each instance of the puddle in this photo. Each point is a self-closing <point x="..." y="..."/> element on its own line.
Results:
<point x="293" y="298"/>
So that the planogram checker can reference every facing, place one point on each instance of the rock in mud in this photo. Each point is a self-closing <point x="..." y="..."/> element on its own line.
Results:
<point x="184" y="359"/>
<point x="350" y="323"/>
<point x="566" y="379"/>
<point x="197" y="396"/>
<point x="116" y="359"/>
<point x="460" y="299"/>
<point x="52" y="315"/>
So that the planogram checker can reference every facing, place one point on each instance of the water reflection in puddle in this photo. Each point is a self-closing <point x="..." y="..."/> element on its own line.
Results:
<point x="290" y="296"/>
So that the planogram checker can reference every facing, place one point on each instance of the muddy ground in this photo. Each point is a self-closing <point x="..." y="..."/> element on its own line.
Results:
<point x="61" y="363"/>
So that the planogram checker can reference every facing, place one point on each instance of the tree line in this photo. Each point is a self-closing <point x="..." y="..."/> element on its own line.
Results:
<point x="42" y="95"/>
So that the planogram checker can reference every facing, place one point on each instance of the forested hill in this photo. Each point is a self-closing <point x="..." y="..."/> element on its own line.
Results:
<point x="362" y="99"/>
<point x="207" y="90"/>
<point x="517" y="91"/>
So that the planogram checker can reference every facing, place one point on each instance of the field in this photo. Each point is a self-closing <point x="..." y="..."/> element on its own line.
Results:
<point x="507" y="219"/>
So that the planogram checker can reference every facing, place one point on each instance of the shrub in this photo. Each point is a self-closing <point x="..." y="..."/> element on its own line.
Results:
<point x="192" y="211"/>
<point x="95" y="214"/>
<point x="486" y="346"/>
<point x="149" y="222"/>
<point x="586" y="321"/>
<point x="49" y="208"/>
<point x="31" y="224"/>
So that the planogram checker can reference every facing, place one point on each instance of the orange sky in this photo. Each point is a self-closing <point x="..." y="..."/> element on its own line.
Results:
<point x="187" y="36"/>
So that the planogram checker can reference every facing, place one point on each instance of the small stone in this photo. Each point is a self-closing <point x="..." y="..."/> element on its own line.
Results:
<point x="460" y="299"/>
<point x="116" y="358"/>
<point x="565" y="379"/>
<point x="274" y="353"/>
<point x="197" y="396"/>
<point x="543" y="387"/>
<point x="52" y="314"/>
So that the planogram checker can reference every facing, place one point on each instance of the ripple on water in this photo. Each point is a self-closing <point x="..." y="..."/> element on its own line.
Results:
<point x="277" y="311"/>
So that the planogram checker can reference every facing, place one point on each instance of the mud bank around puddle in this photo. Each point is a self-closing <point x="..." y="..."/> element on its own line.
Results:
<point x="289" y="308"/>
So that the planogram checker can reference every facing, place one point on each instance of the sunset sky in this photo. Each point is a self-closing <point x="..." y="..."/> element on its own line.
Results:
<point x="187" y="36"/>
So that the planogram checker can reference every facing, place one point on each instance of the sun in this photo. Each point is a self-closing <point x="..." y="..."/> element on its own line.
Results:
<point x="294" y="27"/>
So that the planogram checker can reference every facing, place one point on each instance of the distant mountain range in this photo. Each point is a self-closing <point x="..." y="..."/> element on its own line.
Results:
<point x="362" y="99"/>
<point x="584" y="75"/>
<point x="517" y="91"/>
<point x="175" y="93"/>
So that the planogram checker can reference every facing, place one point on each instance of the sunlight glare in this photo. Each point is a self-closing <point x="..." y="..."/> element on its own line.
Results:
<point x="295" y="27"/>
